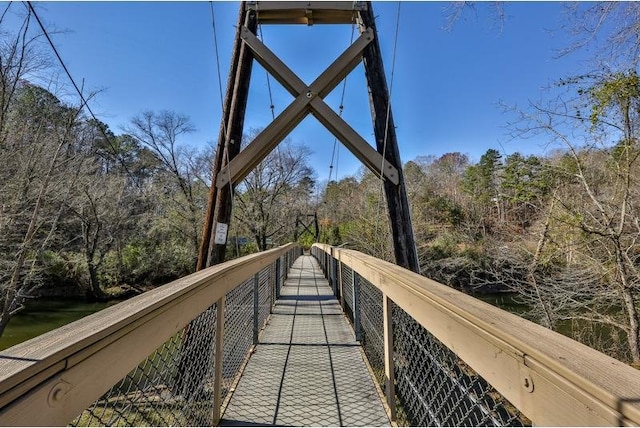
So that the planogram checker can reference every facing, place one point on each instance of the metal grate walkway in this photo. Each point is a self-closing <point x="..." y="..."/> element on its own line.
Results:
<point x="307" y="368"/>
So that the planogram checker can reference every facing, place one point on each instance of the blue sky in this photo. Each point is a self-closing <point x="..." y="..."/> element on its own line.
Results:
<point x="446" y="88"/>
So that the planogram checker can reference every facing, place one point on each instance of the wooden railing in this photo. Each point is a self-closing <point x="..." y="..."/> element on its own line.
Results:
<point x="51" y="379"/>
<point x="551" y="379"/>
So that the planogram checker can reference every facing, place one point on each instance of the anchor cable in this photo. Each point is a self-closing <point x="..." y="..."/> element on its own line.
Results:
<point x="85" y="104"/>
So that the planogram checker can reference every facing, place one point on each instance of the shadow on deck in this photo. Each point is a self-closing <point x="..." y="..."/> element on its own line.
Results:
<point x="307" y="368"/>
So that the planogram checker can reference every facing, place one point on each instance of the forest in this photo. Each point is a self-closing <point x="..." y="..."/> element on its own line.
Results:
<point x="91" y="212"/>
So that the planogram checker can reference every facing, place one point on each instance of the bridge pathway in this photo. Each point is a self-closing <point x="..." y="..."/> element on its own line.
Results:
<point x="307" y="369"/>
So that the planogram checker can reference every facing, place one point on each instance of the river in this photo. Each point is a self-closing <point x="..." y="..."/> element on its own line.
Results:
<point x="43" y="315"/>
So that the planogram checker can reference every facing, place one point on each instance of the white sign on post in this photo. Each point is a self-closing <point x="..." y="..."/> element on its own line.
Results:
<point x="221" y="233"/>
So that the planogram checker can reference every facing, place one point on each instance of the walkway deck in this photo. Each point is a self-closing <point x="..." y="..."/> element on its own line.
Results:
<point x="307" y="368"/>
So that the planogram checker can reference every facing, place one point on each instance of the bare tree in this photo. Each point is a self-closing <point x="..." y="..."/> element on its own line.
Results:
<point x="611" y="29"/>
<point x="159" y="132"/>
<point x="36" y="164"/>
<point x="20" y="58"/>
<point x="267" y="199"/>
<point x="592" y="227"/>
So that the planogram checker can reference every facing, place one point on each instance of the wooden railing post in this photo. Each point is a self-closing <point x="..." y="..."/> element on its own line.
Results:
<point x="217" y="380"/>
<point x="256" y="283"/>
<point x="356" y="306"/>
<point x="390" y="389"/>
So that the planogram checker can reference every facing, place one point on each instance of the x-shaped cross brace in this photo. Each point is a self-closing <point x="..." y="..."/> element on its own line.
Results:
<point x="309" y="99"/>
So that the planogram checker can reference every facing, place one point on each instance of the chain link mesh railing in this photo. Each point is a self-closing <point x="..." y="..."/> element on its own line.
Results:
<point x="371" y="322"/>
<point x="175" y="384"/>
<point x="238" y="332"/>
<point x="433" y="386"/>
<point x="436" y="388"/>
<point x="347" y="290"/>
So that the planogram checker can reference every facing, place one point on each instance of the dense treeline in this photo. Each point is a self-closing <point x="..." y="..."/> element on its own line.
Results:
<point x="89" y="211"/>
<point x="559" y="230"/>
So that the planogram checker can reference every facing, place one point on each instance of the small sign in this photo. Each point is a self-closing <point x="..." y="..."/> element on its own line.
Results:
<point x="221" y="233"/>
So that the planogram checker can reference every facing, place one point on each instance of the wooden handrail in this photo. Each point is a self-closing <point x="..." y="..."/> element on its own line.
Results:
<point x="51" y="379"/>
<point x="550" y="378"/>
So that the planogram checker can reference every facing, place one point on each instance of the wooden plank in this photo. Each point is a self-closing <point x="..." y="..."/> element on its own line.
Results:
<point x="270" y="62"/>
<point x="322" y="86"/>
<point x="572" y="383"/>
<point x="353" y="141"/>
<point x="264" y="6"/>
<point x="90" y="355"/>
<point x="307" y="13"/>
<point x="265" y="142"/>
<point x="342" y="66"/>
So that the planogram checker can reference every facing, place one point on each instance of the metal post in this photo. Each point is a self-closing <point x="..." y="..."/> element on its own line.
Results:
<point x="388" y="355"/>
<point x="356" y="306"/>
<point x="329" y="261"/>
<point x="278" y="267"/>
<point x="256" y="283"/>
<point x="272" y="286"/>
<point x="335" y="275"/>
<point x="286" y="265"/>
<point x="341" y="285"/>
<point x="324" y="265"/>
<point x="217" y="380"/>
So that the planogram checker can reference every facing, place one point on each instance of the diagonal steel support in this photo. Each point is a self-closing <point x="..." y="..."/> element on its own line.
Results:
<point x="308" y="100"/>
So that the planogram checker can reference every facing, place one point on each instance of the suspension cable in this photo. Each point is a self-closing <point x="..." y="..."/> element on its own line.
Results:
<point x="335" y="153"/>
<point x="386" y="128"/>
<point x="215" y="44"/>
<point x="85" y="104"/>
<point x="271" y="105"/>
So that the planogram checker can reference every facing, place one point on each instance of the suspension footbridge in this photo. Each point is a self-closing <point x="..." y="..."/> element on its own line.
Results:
<point x="328" y="337"/>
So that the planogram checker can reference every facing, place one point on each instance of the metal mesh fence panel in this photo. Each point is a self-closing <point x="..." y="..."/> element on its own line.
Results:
<point x="238" y="332"/>
<point x="347" y="290"/>
<point x="264" y="295"/>
<point x="436" y="388"/>
<point x="372" y="328"/>
<point x="283" y="270"/>
<point x="173" y="386"/>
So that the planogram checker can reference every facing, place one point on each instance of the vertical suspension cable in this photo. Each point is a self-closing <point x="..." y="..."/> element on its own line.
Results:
<point x="215" y="44"/>
<point x="335" y="153"/>
<point x="271" y="105"/>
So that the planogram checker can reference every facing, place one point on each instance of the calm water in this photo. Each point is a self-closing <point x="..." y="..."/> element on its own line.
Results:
<point x="505" y="301"/>
<point x="44" y="315"/>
